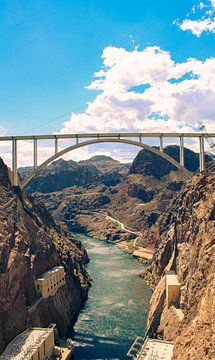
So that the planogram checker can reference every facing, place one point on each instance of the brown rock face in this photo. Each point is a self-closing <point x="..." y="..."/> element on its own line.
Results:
<point x="62" y="174"/>
<point x="31" y="243"/>
<point x="187" y="233"/>
<point x="136" y="198"/>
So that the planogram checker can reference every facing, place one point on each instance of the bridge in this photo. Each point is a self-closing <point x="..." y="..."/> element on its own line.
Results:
<point x="80" y="140"/>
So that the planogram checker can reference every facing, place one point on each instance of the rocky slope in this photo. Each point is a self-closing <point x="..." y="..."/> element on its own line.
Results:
<point x="147" y="163"/>
<point x="62" y="174"/>
<point x="136" y="198"/>
<point x="137" y="202"/>
<point x="31" y="243"/>
<point x="187" y="245"/>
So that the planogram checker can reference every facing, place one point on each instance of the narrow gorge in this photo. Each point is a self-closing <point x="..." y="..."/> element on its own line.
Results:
<point x="147" y="209"/>
<point x="31" y="243"/>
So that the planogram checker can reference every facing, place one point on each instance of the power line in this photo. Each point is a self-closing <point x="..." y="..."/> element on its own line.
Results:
<point x="54" y="119"/>
<point x="72" y="83"/>
<point x="74" y="110"/>
<point x="68" y="84"/>
<point x="51" y="76"/>
<point x="30" y="42"/>
<point x="69" y="112"/>
<point x="48" y="94"/>
<point x="22" y="22"/>
<point x="57" y="72"/>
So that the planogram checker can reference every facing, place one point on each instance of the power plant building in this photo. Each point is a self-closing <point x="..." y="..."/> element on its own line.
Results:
<point x="172" y="289"/>
<point x="32" y="344"/>
<point x="49" y="282"/>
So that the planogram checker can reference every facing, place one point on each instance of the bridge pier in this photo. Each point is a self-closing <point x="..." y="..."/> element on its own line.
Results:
<point x="56" y="145"/>
<point x="201" y="154"/>
<point x="161" y="143"/>
<point x="182" y="150"/>
<point x="35" y="154"/>
<point x="15" y="181"/>
<point x="97" y="138"/>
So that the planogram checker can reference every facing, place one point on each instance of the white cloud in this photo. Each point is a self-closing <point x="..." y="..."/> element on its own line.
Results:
<point x="205" y="21"/>
<point x="197" y="27"/>
<point x="3" y="130"/>
<point x="213" y="3"/>
<point x="46" y="150"/>
<point x="201" y="5"/>
<point x="116" y="108"/>
<point x="179" y="96"/>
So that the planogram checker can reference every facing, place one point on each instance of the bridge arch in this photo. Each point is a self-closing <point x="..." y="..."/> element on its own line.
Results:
<point x="99" y="141"/>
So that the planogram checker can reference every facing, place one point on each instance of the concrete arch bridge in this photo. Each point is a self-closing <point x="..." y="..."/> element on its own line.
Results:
<point x="80" y="140"/>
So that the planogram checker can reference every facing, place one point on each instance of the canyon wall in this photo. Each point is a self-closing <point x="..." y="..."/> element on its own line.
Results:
<point x="187" y="246"/>
<point x="30" y="244"/>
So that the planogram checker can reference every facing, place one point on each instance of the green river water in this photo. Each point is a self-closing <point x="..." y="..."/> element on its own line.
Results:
<point x="117" y="308"/>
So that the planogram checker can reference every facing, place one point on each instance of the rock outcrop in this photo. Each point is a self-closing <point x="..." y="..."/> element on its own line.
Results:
<point x="147" y="163"/>
<point x="30" y="244"/>
<point x="136" y="197"/>
<point x="62" y="174"/>
<point x="187" y="245"/>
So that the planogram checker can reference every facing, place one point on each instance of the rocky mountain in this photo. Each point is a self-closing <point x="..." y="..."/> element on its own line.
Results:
<point x="136" y="199"/>
<point x="187" y="246"/>
<point x="31" y="243"/>
<point x="106" y="163"/>
<point x="62" y="174"/>
<point x="147" y="163"/>
<point x="151" y="206"/>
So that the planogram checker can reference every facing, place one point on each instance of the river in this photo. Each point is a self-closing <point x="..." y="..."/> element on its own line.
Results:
<point x="117" y="308"/>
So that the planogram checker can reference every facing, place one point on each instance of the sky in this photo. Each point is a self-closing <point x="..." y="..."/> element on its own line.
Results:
<point x="101" y="66"/>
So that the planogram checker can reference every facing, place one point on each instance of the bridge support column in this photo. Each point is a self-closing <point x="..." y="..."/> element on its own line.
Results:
<point x="201" y="154"/>
<point x="56" y="145"/>
<point x="182" y="151"/>
<point x="161" y="143"/>
<point x="14" y="163"/>
<point x="35" y="154"/>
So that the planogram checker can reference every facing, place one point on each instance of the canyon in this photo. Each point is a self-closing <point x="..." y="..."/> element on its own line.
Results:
<point x="146" y="204"/>
<point x="31" y="243"/>
<point x="141" y="193"/>
<point x="187" y="246"/>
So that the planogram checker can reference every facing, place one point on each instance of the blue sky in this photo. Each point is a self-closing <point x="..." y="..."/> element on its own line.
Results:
<point x="50" y="49"/>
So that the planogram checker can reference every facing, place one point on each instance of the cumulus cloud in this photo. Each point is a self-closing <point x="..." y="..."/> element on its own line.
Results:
<point x="197" y="27"/>
<point x="177" y="93"/>
<point x="139" y="91"/>
<point x="205" y="21"/>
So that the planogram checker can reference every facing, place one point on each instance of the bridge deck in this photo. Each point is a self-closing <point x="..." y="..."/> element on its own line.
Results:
<point x="106" y="135"/>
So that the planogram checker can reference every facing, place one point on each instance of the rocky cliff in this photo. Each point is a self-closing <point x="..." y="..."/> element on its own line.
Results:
<point x="147" y="163"/>
<point x="112" y="190"/>
<point x="31" y="243"/>
<point x="187" y="245"/>
<point x="62" y="174"/>
<point x="135" y="196"/>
